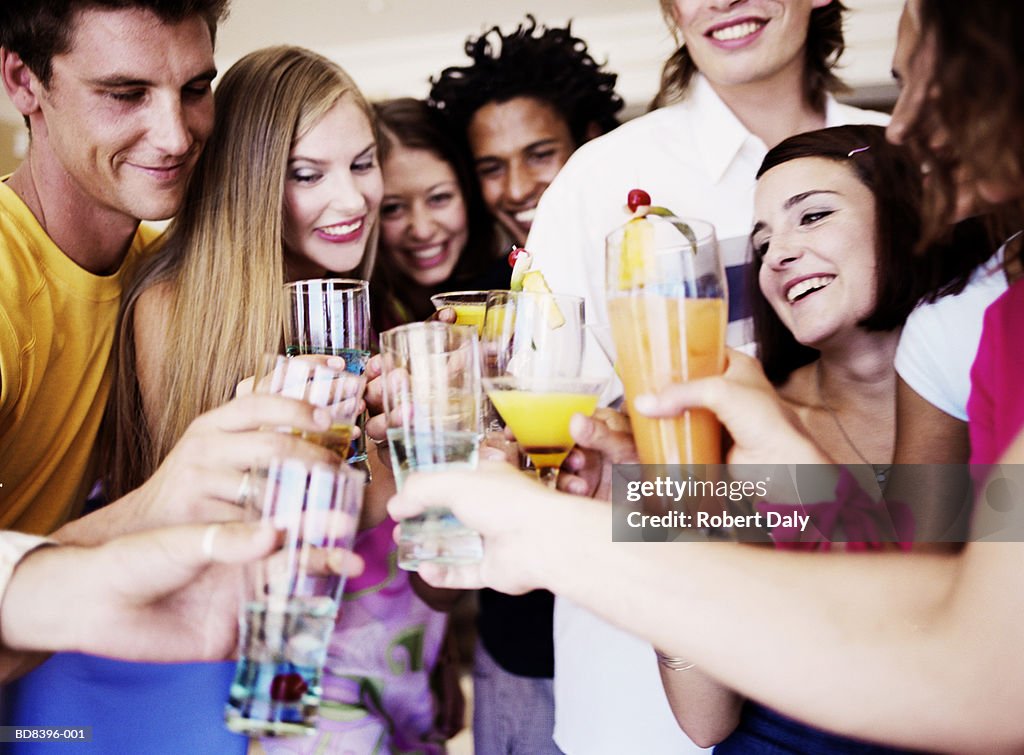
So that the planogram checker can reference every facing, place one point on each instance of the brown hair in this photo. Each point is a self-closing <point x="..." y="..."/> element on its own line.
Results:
<point x="37" y="30"/>
<point x="413" y="124"/>
<point x="822" y="50"/>
<point x="975" y="106"/>
<point x="901" y="279"/>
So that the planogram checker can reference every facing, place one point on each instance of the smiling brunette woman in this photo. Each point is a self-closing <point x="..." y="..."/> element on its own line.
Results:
<point x="836" y="217"/>
<point x="836" y="222"/>
<point x="436" y="234"/>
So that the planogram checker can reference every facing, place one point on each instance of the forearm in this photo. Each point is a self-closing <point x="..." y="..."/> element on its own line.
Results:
<point x="827" y="631"/>
<point x="119" y="517"/>
<point x="39" y="611"/>
<point x="14" y="613"/>
<point x="705" y="709"/>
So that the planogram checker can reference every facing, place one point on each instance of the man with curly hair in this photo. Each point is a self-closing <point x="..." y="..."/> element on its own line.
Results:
<point x="529" y="98"/>
<point x="746" y="75"/>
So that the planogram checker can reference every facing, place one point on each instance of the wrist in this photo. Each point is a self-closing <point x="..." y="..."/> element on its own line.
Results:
<point x="35" y="608"/>
<point x="574" y="530"/>
<point x="673" y="662"/>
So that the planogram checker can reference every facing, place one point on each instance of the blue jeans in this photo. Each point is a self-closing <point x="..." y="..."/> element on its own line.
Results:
<point x="512" y="715"/>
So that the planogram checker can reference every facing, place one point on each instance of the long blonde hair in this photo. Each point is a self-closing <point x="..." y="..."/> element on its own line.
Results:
<point x="222" y="260"/>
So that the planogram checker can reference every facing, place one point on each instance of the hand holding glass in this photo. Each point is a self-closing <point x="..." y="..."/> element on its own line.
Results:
<point x="337" y="390"/>
<point x="330" y="316"/>
<point x="468" y="306"/>
<point x="291" y="599"/>
<point x="433" y="402"/>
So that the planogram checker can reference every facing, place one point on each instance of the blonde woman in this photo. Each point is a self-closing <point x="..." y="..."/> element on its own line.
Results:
<point x="256" y="213"/>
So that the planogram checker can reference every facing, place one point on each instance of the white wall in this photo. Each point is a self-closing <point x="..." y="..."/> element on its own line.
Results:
<point x="392" y="51"/>
<point x="391" y="47"/>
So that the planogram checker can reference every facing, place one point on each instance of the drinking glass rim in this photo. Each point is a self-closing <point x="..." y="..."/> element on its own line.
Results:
<point x="430" y="325"/>
<point x="339" y="470"/>
<point x="474" y="292"/>
<point x="540" y="384"/>
<point x="534" y="294"/>
<point x="708" y="233"/>
<point x="352" y="283"/>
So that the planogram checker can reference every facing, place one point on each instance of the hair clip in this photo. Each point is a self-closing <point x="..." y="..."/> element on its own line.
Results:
<point x="853" y="152"/>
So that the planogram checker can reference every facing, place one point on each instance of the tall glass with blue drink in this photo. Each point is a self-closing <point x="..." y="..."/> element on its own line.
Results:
<point x="331" y="316"/>
<point x="434" y="404"/>
<point x="291" y="599"/>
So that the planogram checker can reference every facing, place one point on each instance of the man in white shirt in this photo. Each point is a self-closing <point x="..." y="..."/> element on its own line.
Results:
<point x="750" y="74"/>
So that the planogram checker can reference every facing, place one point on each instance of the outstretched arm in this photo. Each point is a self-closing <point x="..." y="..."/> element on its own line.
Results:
<point x="903" y="648"/>
<point x="164" y="595"/>
<point x="705" y="709"/>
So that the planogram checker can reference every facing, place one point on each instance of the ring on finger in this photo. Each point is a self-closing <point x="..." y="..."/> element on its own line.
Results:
<point x="243" y="488"/>
<point x="209" y="535"/>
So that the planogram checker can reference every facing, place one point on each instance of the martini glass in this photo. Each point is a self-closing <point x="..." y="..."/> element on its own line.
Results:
<point x="532" y="347"/>
<point x="468" y="305"/>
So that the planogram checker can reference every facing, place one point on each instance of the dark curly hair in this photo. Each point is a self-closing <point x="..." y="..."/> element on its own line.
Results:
<point x="547" y="63"/>
<point x="976" y="108"/>
<point x="37" y="30"/>
<point x="901" y="279"/>
<point x="824" y="46"/>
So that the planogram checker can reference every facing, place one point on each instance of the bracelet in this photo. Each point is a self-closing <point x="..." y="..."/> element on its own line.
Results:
<point x="673" y="662"/>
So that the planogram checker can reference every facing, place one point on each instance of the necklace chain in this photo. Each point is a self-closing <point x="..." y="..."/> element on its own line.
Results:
<point x="881" y="471"/>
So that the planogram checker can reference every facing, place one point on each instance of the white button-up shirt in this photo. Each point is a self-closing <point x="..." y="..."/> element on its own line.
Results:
<point x="697" y="159"/>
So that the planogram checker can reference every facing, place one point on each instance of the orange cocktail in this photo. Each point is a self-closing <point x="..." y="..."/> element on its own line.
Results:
<point x="668" y="313"/>
<point x="540" y="418"/>
<point x="662" y="340"/>
<point x="469" y="306"/>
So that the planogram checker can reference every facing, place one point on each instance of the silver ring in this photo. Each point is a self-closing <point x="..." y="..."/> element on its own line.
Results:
<point x="243" y="489"/>
<point x="208" y="537"/>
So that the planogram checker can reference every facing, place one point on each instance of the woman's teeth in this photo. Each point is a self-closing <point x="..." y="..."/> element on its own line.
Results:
<point x="805" y="287"/>
<point x="429" y="252"/>
<point x="342" y="229"/>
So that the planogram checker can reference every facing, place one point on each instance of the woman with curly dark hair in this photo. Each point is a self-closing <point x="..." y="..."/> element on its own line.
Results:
<point x="529" y="98"/>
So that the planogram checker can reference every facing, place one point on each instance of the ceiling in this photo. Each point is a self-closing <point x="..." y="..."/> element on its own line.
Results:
<point x="391" y="47"/>
<point x="331" y="23"/>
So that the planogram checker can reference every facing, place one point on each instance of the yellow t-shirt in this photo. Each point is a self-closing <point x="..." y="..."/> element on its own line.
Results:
<point x="57" y="324"/>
